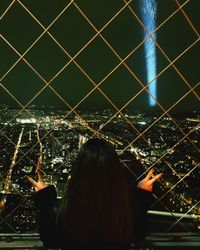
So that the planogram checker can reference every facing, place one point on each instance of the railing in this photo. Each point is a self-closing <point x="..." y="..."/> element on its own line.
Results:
<point x="152" y="241"/>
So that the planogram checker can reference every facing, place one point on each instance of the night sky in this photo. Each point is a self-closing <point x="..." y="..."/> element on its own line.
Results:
<point x="20" y="82"/>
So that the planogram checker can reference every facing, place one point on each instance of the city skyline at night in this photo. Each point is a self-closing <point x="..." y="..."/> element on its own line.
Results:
<point x="49" y="141"/>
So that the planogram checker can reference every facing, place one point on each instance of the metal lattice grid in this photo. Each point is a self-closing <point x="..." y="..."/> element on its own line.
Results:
<point x="71" y="44"/>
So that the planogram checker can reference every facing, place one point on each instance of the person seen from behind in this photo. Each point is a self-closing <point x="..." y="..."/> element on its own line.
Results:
<point x="99" y="209"/>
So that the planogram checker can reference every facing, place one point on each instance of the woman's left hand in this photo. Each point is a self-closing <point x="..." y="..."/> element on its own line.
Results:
<point x="148" y="181"/>
<point x="38" y="185"/>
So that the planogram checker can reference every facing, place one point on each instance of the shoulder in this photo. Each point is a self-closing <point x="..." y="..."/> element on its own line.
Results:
<point x="142" y="197"/>
<point x="45" y="197"/>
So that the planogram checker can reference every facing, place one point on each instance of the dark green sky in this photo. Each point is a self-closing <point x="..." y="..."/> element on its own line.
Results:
<point x="19" y="30"/>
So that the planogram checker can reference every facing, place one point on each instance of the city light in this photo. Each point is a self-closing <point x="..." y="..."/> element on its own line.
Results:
<point x="148" y="12"/>
<point x="54" y="153"/>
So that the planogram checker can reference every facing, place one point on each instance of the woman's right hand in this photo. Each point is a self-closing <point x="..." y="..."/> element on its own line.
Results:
<point x="39" y="184"/>
<point x="148" y="181"/>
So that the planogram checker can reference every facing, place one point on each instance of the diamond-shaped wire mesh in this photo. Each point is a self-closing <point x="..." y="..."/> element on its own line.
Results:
<point x="75" y="69"/>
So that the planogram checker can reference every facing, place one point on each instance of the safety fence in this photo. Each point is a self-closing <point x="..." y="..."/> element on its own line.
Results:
<point x="75" y="69"/>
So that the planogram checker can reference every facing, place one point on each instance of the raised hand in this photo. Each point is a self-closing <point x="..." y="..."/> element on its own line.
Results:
<point x="148" y="181"/>
<point x="38" y="185"/>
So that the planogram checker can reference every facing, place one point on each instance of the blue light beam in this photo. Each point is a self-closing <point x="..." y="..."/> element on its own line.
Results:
<point x="148" y="12"/>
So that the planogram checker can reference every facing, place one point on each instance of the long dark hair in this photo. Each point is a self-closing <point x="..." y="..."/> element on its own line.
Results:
<point x="97" y="204"/>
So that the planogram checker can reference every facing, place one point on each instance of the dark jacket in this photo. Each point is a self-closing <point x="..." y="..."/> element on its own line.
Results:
<point x="53" y="234"/>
